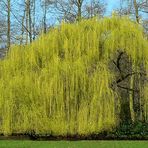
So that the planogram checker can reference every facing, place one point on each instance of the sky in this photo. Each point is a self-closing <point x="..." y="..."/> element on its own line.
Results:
<point x="111" y="4"/>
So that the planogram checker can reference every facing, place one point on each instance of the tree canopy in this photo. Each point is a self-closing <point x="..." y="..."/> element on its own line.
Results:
<point x="64" y="83"/>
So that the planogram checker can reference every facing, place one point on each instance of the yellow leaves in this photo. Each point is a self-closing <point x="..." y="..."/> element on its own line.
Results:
<point x="62" y="80"/>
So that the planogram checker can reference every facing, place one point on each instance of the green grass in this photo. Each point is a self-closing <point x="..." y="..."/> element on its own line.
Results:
<point x="73" y="144"/>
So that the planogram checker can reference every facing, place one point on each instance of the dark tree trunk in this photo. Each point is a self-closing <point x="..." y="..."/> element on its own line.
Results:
<point x="122" y="67"/>
<point x="136" y="10"/>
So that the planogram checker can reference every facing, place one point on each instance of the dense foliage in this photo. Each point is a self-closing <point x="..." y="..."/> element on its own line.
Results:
<point x="61" y="83"/>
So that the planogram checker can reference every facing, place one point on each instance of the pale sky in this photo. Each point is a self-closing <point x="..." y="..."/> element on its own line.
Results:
<point x="111" y="4"/>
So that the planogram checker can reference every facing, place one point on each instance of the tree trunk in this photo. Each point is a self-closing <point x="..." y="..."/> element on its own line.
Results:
<point x="30" y="21"/>
<point x="21" y="41"/>
<point x="26" y="4"/>
<point x="79" y="5"/>
<point x="136" y="11"/>
<point x="34" y="9"/>
<point x="122" y="67"/>
<point x="44" y="18"/>
<point x="8" y="25"/>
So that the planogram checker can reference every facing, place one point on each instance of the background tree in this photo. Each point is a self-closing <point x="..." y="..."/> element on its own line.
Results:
<point x="137" y="9"/>
<point x="45" y="4"/>
<point x="95" y="8"/>
<point x="72" y="10"/>
<point x="31" y="17"/>
<point x="3" y="29"/>
<point x="8" y="24"/>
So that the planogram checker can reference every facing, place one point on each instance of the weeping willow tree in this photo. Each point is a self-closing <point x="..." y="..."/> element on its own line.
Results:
<point x="67" y="82"/>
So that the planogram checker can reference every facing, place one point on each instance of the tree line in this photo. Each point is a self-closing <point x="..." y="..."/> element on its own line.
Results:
<point x="22" y="21"/>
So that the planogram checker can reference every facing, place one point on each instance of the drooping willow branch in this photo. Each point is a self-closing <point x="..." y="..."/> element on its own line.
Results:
<point x="128" y="89"/>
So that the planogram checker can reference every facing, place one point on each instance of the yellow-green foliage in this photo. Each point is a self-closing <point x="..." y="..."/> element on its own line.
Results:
<point x="60" y="84"/>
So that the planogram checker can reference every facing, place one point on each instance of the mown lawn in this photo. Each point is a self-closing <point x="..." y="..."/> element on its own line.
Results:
<point x="73" y="144"/>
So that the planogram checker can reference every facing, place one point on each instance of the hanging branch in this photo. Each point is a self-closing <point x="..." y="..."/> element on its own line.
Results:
<point x="128" y="89"/>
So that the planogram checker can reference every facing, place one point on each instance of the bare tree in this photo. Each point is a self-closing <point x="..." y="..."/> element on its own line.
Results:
<point x="78" y="4"/>
<point x="72" y="10"/>
<point x="137" y="8"/>
<point x="22" y="28"/>
<point x="28" y="20"/>
<point x="45" y="4"/>
<point x="3" y="30"/>
<point x="8" y="24"/>
<point x="34" y="19"/>
<point x="95" y="8"/>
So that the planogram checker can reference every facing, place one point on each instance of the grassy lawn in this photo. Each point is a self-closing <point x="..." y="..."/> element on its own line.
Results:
<point x="75" y="144"/>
